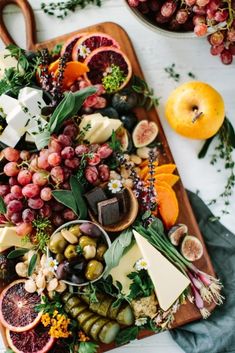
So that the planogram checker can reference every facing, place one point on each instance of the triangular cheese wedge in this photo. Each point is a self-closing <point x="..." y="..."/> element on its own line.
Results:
<point x="168" y="281"/>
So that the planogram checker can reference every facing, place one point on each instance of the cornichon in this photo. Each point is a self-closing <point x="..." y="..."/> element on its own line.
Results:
<point x="97" y="327"/>
<point x="109" y="332"/>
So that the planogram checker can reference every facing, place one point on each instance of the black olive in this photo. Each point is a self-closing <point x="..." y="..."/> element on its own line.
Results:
<point x="80" y="266"/>
<point x="77" y="279"/>
<point x="129" y="121"/>
<point x="123" y="102"/>
<point x="63" y="270"/>
<point x="109" y="111"/>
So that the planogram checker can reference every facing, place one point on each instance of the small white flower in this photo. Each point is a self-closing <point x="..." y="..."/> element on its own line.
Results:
<point x="141" y="321"/>
<point x="51" y="264"/>
<point x="141" y="264"/>
<point x="84" y="51"/>
<point x="115" y="186"/>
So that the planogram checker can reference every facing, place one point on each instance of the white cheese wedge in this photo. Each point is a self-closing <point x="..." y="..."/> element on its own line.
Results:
<point x="94" y="121"/>
<point x="7" y="63"/>
<point x="28" y="90"/>
<point x="168" y="281"/>
<point x="10" y="136"/>
<point x="18" y="119"/>
<point x="9" y="237"/>
<point x="7" y="103"/>
<point x="104" y="132"/>
<point x="125" y="267"/>
<point x="33" y="102"/>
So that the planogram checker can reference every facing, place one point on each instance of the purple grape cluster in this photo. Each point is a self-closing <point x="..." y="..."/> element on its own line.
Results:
<point x="197" y="16"/>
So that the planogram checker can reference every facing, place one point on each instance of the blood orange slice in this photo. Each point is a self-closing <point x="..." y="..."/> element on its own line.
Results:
<point x="17" y="307"/>
<point x="36" y="340"/>
<point x="85" y="45"/>
<point x="69" y="44"/>
<point x="101" y="61"/>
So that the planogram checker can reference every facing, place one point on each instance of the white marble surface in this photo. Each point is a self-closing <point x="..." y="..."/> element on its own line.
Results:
<point x="155" y="53"/>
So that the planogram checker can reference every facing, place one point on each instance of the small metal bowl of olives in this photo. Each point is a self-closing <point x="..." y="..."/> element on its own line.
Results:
<point x="79" y="248"/>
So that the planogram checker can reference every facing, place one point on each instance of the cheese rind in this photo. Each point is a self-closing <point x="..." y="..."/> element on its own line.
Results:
<point x="168" y="281"/>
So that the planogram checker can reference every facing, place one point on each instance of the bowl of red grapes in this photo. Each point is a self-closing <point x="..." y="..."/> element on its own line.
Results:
<point x="214" y="19"/>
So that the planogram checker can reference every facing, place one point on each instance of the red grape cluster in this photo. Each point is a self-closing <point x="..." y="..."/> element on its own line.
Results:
<point x="197" y="15"/>
<point x="32" y="177"/>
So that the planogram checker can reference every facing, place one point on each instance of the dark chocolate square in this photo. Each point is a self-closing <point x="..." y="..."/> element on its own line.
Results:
<point x="108" y="211"/>
<point x="123" y="200"/>
<point x="95" y="196"/>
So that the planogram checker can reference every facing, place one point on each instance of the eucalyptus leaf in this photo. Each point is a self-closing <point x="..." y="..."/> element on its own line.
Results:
<point x="115" y="252"/>
<point x="77" y="188"/>
<point x="17" y="253"/>
<point x="32" y="264"/>
<point x="67" y="199"/>
<point x="3" y="208"/>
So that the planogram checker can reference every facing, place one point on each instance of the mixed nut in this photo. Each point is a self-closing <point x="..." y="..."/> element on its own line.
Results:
<point x="79" y="250"/>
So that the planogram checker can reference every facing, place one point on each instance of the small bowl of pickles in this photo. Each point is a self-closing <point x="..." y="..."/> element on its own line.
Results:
<point x="79" y="247"/>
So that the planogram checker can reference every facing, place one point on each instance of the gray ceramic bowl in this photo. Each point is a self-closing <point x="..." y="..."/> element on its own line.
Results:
<point x="105" y="237"/>
<point x="156" y="28"/>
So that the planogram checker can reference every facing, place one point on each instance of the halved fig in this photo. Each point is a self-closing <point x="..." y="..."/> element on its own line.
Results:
<point x="144" y="133"/>
<point x="191" y="248"/>
<point x="88" y="43"/>
<point x="68" y="45"/>
<point x="176" y="233"/>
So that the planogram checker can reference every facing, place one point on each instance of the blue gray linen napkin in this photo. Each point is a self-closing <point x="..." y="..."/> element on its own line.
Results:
<point x="217" y="333"/>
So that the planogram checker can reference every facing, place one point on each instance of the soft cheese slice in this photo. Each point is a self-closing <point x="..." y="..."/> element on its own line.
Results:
<point x="105" y="131"/>
<point x="10" y="136"/>
<point x="95" y="121"/>
<point x="125" y="267"/>
<point x="9" y="237"/>
<point x="168" y="281"/>
<point x="7" y="103"/>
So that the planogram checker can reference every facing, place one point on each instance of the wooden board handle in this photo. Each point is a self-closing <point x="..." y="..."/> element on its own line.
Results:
<point x="29" y="22"/>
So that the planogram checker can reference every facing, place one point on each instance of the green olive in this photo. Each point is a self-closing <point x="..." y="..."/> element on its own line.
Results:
<point x="85" y="240"/>
<point x="93" y="270"/>
<point x="59" y="257"/>
<point x="70" y="252"/>
<point x="75" y="230"/>
<point x="57" y="243"/>
<point x="101" y="251"/>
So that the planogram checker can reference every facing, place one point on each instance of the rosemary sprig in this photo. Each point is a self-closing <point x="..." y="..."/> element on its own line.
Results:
<point x="147" y="98"/>
<point x="170" y="70"/>
<point x="224" y="151"/>
<point x="61" y="9"/>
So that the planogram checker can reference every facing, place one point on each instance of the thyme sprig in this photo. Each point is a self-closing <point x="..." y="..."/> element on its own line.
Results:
<point x="61" y="9"/>
<point x="147" y="98"/>
<point x="170" y="70"/>
<point x="223" y="151"/>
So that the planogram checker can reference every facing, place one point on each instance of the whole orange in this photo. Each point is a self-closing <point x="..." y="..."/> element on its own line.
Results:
<point x="195" y="110"/>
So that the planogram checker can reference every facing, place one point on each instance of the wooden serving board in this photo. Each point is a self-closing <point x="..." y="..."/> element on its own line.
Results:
<point x="187" y="312"/>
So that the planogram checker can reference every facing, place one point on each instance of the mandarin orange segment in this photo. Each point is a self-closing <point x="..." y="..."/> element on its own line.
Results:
<point x="165" y="168"/>
<point x="144" y="171"/>
<point x="170" y="179"/>
<point x="73" y="70"/>
<point x="161" y="183"/>
<point x="53" y="66"/>
<point x="167" y="204"/>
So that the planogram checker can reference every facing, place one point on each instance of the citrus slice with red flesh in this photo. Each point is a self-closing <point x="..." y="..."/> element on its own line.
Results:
<point x="17" y="307"/>
<point x="68" y="45"/>
<point x="87" y="44"/>
<point x="36" y="340"/>
<point x="101" y="61"/>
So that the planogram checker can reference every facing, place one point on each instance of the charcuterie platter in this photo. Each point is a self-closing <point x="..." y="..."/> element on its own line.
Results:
<point x="99" y="244"/>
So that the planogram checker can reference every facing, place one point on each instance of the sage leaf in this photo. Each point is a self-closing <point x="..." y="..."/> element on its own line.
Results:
<point x="67" y="199"/>
<point x="42" y="139"/>
<point x="205" y="147"/>
<point x="115" y="252"/>
<point x="3" y="208"/>
<point x="77" y="188"/>
<point x="32" y="264"/>
<point x="17" y="253"/>
<point x="127" y="335"/>
<point x="157" y="226"/>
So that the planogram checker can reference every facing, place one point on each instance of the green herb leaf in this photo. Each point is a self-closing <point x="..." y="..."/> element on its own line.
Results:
<point x="67" y="199"/>
<point x="77" y="188"/>
<point x="141" y="286"/>
<point x="127" y="335"/>
<point x="114" y="253"/>
<point x="88" y="347"/>
<point x="157" y="226"/>
<point x="9" y="350"/>
<point x="32" y="264"/>
<point x="205" y="147"/>
<point x="3" y="208"/>
<point x="41" y="139"/>
<point x="17" y="253"/>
